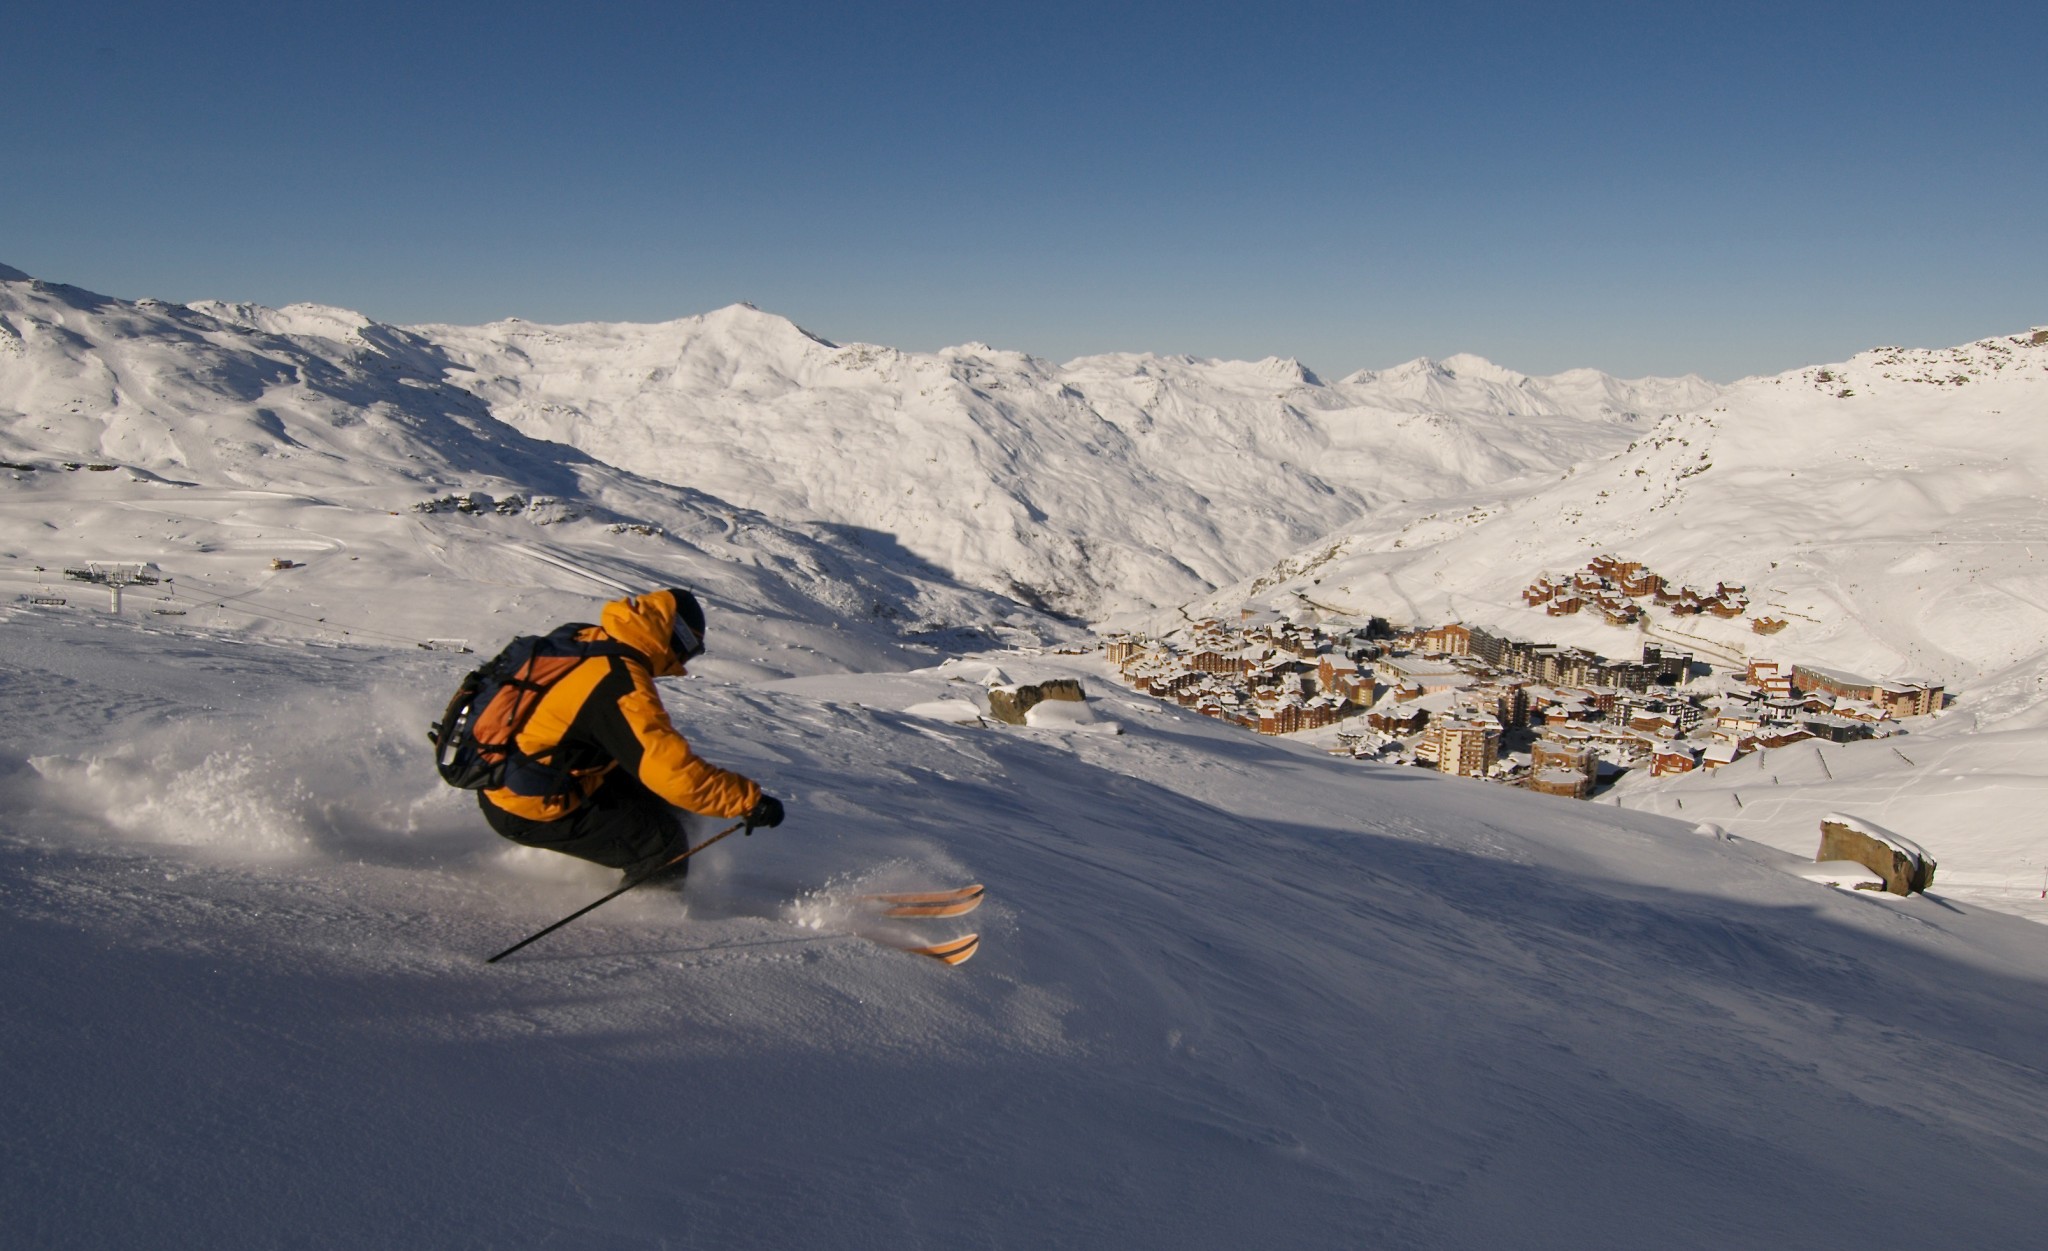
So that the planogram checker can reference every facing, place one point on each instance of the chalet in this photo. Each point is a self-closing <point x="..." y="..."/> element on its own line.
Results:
<point x="1290" y="714"/>
<point x="1674" y="758"/>
<point x="1782" y="735"/>
<point x="1655" y="724"/>
<point x="1770" y="677"/>
<point x="1734" y="724"/>
<point x="1836" y="729"/>
<point x="1566" y="767"/>
<point x="1784" y="711"/>
<point x="1638" y="582"/>
<point x="1397" y="719"/>
<point x="1340" y="676"/>
<point x="1612" y="742"/>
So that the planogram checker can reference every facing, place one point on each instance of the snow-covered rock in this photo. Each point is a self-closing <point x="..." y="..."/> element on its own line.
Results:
<point x="1902" y="863"/>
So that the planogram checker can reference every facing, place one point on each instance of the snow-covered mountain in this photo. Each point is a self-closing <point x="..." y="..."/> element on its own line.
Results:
<point x="1232" y="991"/>
<point x="1892" y="510"/>
<point x="1116" y="483"/>
<point x="1109" y="484"/>
<point x="227" y="437"/>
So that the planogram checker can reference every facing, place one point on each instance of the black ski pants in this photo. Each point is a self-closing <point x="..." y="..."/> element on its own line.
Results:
<point x="622" y="825"/>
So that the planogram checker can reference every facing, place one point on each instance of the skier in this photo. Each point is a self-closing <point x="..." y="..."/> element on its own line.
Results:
<point x="629" y="770"/>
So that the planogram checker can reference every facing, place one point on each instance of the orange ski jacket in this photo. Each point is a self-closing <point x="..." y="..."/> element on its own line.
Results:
<point x="605" y="714"/>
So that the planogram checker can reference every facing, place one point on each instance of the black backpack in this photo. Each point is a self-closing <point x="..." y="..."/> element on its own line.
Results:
<point x="476" y="740"/>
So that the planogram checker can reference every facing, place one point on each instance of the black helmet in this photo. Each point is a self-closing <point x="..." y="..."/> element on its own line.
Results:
<point x="688" y="633"/>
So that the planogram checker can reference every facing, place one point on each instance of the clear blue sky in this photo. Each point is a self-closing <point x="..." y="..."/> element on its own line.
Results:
<point x="1726" y="188"/>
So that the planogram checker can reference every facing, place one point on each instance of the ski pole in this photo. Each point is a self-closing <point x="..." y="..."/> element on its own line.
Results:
<point x="630" y="884"/>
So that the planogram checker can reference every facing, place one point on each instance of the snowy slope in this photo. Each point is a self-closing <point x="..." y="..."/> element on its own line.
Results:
<point x="1231" y="994"/>
<point x="1972" y="798"/>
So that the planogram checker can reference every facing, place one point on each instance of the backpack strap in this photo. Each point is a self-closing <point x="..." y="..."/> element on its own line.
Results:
<point x="542" y="774"/>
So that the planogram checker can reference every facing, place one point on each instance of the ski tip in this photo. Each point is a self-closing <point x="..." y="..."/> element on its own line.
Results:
<point x="942" y="908"/>
<point x="954" y="951"/>
<point x="959" y="895"/>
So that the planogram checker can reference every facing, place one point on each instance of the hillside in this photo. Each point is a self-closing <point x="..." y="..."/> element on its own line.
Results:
<point x="215" y="440"/>
<point x="1230" y="992"/>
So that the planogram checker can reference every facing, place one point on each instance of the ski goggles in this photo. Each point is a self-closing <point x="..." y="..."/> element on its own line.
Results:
<point x="689" y="643"/>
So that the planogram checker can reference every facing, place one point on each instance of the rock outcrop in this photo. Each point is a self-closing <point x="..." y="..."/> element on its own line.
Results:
<point x="1902" y="863"/>
<point x="1010" y="703"/>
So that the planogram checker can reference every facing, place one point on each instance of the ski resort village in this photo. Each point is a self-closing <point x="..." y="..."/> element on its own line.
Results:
<point x="1552" y="718"/>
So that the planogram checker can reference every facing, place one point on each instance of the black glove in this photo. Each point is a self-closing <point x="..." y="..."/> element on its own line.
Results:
<point x="766" y="811"/>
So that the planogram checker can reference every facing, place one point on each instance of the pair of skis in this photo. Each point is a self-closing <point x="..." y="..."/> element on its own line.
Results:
<point x="911" y="905"/>
<point x="925" y="905"/>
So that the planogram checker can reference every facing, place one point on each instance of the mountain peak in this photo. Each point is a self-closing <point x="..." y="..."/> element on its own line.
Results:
<point x="1291" y="369"/>
<point x="9" y="273"/>
<point x="743" y="315"/>
<point x="321" y="321"/>
<point x="1468" y="365"/>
